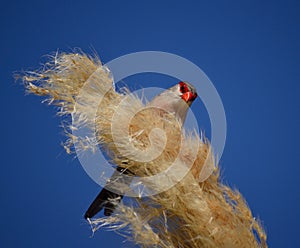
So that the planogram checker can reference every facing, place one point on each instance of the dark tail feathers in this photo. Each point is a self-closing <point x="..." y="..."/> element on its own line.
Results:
<point x="107" y="199"/>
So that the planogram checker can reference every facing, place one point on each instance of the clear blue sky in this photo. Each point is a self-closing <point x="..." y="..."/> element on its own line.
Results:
<point x="249" y="50"/>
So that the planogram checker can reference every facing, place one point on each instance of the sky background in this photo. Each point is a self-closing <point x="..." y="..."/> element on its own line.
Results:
<point x="250" y="51"/>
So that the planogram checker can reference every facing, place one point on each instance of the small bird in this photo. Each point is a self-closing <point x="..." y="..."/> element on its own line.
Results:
<point x="177" y="100"/>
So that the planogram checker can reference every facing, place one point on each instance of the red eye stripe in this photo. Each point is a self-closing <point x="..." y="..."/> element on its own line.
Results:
<point x="183" y="87"/>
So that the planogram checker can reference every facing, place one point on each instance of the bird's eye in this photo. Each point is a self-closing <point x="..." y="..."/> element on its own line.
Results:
<point x="183" y="87"/>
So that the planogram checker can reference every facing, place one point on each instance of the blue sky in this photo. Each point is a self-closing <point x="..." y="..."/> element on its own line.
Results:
<point x="250" y="51"/>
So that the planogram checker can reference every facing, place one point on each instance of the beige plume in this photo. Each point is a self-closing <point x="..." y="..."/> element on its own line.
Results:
<point x="189" y="214"/>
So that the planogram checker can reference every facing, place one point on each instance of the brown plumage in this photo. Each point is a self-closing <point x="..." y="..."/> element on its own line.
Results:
<point x="188" y="214"/>
<point x="175" y="100"/>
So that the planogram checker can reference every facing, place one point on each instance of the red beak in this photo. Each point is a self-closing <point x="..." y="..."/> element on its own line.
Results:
<point x="189" y="96"/>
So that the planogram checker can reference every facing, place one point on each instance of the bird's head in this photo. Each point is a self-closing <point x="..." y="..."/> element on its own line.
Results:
<point x="181" y="91"/>
<point x="176" y="99"/>
<point x="187" y="92"/>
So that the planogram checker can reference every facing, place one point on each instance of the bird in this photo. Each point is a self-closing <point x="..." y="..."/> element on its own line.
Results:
<point x="177" y="100"/>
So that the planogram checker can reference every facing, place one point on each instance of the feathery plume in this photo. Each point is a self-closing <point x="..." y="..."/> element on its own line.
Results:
<point x="191" y="213"/>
